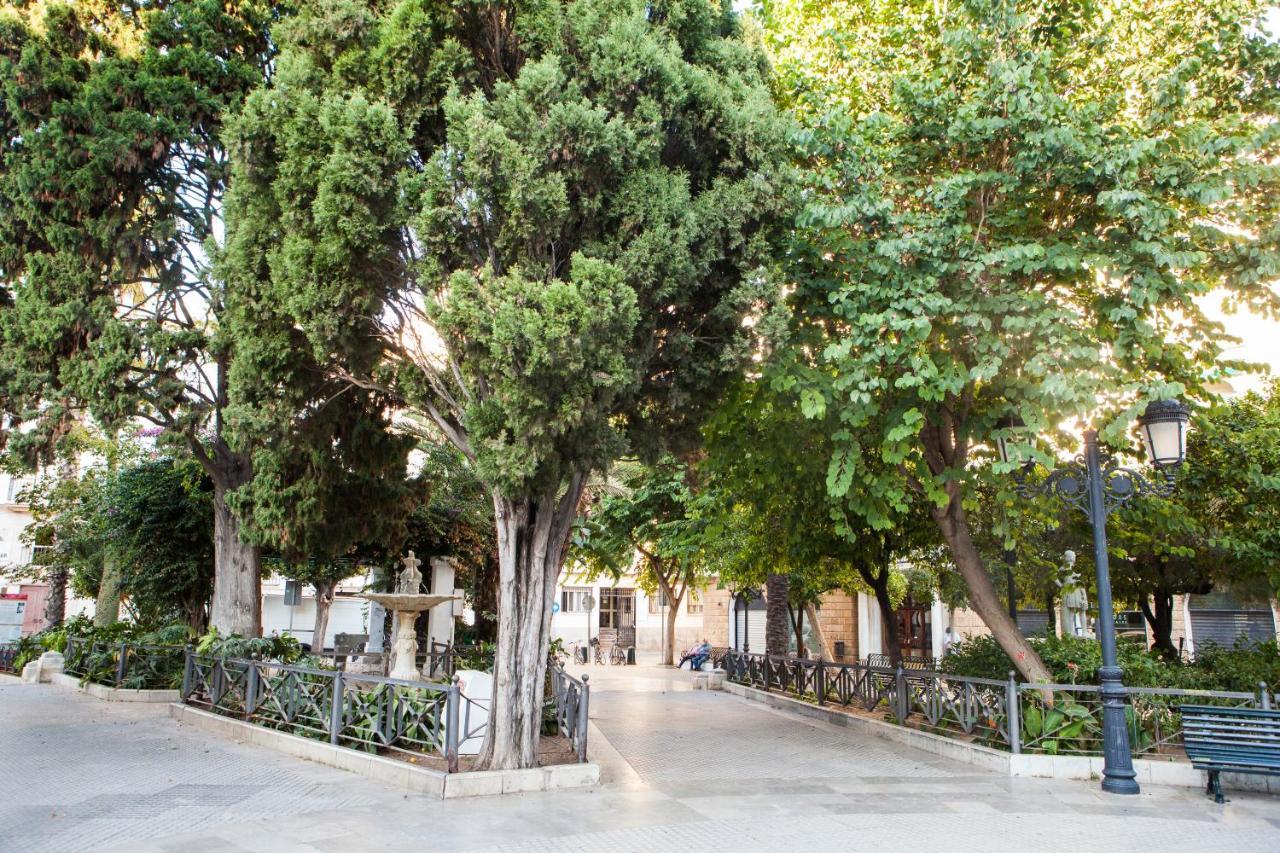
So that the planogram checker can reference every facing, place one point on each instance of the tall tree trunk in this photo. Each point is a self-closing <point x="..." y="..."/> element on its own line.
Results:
<point x="1158" y="611"/>
<point x="55" y="606"/>
<point x="532" y="534"/>
<point x="666" y="575"/>
<point x="324" y="601"/>
<point x="983" y="598"/>
<point x="237" y="581"/>
<point x="797" y="625"/>
<point x="107" y="609"/>
<point x="893" y="641"/>
<point x="824" y="645"/>
<point x="777" y="618"/>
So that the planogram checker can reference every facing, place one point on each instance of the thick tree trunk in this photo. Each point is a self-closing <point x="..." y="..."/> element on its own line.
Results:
<point x="983" y="598"/>
<point x="55" y="606"/>
<point x="888" y="618"/>
<point x="107" y="609"/>
<point x="824" y="645"/>
<point x="532" y="533"/>
<point x="1158" y="611"/>
<point x="324" y="601"/>
<point x="777" y="618"/>
<point x="237" y="581"/>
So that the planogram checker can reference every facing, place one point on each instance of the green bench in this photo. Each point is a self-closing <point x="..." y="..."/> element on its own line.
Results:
<point x="1231" y="740"/>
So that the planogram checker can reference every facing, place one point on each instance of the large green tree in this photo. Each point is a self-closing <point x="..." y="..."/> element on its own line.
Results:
<point x="767" y="465"/>
<point x="553" y="214"/>
<point x="111" y="179"/>
<point x="1016" y="210"/>
<point x="650" y="518"/>
<point x="1219" y="528"/>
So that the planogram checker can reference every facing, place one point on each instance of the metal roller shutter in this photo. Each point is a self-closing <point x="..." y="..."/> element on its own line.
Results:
<point x="1224" y="627"/>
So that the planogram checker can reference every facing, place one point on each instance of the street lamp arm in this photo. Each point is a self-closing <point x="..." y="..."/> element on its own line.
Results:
<point x="1120" y="484"/>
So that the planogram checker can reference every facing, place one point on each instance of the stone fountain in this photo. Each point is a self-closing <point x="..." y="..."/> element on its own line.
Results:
<point x="405" y="604"/>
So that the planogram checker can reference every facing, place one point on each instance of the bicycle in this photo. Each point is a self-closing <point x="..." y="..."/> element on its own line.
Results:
<point x="617" y="656"/>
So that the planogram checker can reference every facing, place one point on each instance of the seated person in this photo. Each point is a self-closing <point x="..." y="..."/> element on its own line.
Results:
<point x="696" y="656"/>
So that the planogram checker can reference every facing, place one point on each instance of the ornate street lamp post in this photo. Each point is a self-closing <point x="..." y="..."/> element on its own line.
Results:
<point x="1096" y="487"/>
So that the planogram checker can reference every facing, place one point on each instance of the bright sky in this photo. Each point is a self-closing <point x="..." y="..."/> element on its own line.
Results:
<point x="1259" y="342"/>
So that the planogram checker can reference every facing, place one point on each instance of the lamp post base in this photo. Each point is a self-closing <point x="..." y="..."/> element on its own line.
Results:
<point x="1120" y="784"/>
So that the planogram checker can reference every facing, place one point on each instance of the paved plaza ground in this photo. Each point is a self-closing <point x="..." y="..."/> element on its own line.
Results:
<point x="691" y="771"/>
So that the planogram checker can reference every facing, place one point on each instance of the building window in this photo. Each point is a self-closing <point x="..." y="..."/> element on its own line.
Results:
<point x="618" y="608"/>
<point x="694" y="605"/>
<point x="574" y="599"/>
<point x="657" y="601"/>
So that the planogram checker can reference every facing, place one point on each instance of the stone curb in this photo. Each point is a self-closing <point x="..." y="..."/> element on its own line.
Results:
<point x="112" y="694"/>
<point x="422" y="780"/>
<point x="1074" y="767"/>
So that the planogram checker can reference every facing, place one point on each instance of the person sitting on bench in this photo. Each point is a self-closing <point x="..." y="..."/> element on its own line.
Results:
<point x="696" y="656"/>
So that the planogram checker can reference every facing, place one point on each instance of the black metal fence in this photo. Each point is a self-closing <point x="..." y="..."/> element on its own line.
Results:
<point x="143" y="666"/>
<point x="366" y="712"/>
<point x="572" y="697"/>
<point x="978" y="708"/>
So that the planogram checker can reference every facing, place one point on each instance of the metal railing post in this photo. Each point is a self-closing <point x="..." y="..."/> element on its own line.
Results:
<point x="122" y="666"/>
<point x="251" y="690"/>
<point x="900" y="688"/>
<point x="336" y="709"/>
<point x="583" y="699"/>
<point x="451" y="725"/>
<point x="764" y="668"/>
<point x="1013" y="713"/>
<point x="1266" y="697"/>
<point x="187" y="673"/>
<point x="820" y="682"/>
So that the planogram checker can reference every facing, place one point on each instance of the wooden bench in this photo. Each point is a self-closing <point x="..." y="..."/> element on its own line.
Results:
<point x="1231" y="740"/>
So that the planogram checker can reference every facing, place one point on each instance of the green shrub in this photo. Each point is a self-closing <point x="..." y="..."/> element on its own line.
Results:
<point x="282" y="649"/>
<point x="1240" y="667"/>
<point x="1076" y="660"/>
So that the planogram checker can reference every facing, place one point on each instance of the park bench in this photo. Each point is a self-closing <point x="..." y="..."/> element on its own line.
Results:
<point x="907" y="663"/>
<point x="1232" y="740"/>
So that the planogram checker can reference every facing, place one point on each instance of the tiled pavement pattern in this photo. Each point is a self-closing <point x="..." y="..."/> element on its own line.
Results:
<point x="707" y="772"/>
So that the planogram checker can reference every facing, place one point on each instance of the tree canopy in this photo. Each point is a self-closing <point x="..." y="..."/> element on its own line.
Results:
<point x="539" y="224"/>
<point x="1003" y="223"/>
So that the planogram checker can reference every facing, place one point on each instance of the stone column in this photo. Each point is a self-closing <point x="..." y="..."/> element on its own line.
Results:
<point x="377" y="613"/>
<point x="440" y="620"/>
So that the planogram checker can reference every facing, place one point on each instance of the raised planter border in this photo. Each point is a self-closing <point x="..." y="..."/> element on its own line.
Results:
<point x="422" y="780"/>
<point x="112" y="694"/>
<point x="1074" y="767"/>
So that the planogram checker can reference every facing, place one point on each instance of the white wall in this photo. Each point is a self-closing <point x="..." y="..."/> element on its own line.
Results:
<point x="346" y="616"/>
<point x="576" y="627"/>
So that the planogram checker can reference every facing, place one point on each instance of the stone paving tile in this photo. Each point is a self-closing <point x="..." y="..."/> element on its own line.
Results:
<point x="712" y="773"/>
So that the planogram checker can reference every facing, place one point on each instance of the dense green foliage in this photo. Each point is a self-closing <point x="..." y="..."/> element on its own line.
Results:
<point x="1220" y="528"/>
<point x="148" y="517"/>
<point x="1002" y="221"/>
<point x="539" y="224"/>
<point x="1075" y="660"/>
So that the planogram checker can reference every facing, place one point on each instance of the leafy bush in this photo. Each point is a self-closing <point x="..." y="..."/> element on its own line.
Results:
<point x="1238" y="668"/>
<point x="277" y="648"/>
<point x="1076" y="660"/>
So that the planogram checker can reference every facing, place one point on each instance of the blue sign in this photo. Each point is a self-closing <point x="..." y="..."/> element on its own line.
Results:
<point x="555" y="607"/>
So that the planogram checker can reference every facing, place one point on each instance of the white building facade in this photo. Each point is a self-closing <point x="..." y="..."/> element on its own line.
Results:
<point x="584" y="608"/>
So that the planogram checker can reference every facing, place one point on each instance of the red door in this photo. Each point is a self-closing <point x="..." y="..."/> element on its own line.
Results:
<point x="33" y="617"/>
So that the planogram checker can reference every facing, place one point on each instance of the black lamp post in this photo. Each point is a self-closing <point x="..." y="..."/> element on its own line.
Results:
<point x="1097" y="486"/>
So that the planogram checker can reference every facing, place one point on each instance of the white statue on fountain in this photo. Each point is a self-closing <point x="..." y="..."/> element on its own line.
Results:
<point x="405" y="604"/>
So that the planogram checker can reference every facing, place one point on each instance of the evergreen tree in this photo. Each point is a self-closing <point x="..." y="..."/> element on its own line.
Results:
<point x="111" y="179"/>
<point x="551" y="218"/>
